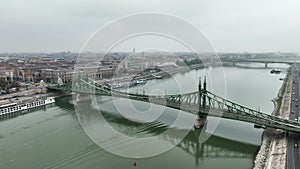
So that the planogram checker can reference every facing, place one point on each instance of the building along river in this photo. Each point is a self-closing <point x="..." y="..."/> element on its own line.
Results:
<point x="53" y="137"/>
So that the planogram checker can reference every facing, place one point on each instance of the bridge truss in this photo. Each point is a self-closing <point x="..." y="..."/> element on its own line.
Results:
<point x="201" y="102"/>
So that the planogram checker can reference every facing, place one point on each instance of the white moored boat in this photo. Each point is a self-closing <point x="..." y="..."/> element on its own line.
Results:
<point x="14" y="107"/>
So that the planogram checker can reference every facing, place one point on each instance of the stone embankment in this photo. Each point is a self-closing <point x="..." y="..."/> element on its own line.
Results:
<point x="25" y="96"/>
<point x="272" y="153"/>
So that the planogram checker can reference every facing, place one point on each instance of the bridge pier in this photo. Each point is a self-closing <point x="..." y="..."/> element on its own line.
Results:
<point x="266" y="64"/>
<point x="201" y="120"/>
<point x="83" y="97"/>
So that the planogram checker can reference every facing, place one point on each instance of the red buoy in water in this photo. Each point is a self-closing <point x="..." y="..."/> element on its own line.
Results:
<point x="134" y="163"/>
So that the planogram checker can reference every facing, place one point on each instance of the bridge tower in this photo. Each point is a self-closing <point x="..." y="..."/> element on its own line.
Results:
<point x="199" y="93"/>
<point x="204" y="92"/>
<point x="201" y="119"/>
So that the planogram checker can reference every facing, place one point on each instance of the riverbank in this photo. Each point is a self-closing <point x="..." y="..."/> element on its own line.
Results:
<point x="28" y="96"/>
<point x="272" y="152"/>
<point x="23" y="102"/>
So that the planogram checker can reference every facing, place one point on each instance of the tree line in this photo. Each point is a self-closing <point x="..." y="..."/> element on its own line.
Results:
<point x="6" y="85"/>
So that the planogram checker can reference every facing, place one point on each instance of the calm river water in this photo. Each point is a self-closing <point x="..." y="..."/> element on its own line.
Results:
<point x="53" y="138"/>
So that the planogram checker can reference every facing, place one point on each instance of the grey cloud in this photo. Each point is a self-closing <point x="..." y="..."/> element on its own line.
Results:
<point x="232" y="25"/>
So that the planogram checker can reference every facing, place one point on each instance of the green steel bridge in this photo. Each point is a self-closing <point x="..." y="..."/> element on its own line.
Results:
<point x="202" y="102"/>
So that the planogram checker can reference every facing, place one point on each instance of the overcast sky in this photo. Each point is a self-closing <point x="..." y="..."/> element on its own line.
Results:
<point x="230" y="25"/>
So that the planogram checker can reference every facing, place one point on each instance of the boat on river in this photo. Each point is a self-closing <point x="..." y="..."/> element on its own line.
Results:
<point x="276" y="71"/>
<point x="15" y="107"/>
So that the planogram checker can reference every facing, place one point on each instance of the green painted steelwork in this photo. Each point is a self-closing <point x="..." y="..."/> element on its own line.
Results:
<point x="212" y="105"/>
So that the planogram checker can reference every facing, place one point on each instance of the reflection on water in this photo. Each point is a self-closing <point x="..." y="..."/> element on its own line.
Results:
<point x="214" y="148"/>
<point x="52" y="138"/>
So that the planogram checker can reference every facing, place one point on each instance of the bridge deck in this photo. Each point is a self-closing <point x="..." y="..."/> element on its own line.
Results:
<point x="201" y="102"/>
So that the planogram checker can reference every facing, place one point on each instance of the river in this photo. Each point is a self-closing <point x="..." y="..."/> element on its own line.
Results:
<point x="53" y="138"/>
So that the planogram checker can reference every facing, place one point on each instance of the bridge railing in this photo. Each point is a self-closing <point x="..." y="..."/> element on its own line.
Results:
<point x="220" y="103"/>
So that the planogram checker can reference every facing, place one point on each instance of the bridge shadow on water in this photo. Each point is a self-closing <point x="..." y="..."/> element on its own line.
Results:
<point x="214" y="147"/>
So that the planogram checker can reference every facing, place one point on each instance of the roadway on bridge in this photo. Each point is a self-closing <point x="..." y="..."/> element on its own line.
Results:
<point x="292" y="138"/>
